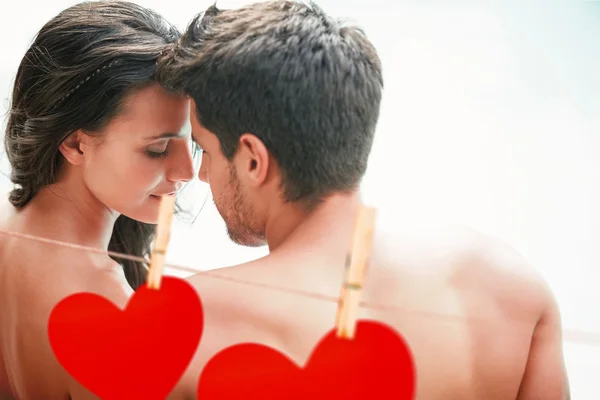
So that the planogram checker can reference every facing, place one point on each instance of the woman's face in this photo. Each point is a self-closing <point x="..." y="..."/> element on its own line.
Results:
<point x="143" y="154"/>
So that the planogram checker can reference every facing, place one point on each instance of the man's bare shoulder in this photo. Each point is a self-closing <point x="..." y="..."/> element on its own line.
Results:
<point x="463" y="257"/>
<point x="226" y="290"/>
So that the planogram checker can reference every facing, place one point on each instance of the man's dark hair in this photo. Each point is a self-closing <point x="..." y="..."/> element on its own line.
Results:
<point x="307" y="85"/>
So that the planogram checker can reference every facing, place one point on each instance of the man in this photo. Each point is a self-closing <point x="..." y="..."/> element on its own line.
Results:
<point x="285" y="105"/>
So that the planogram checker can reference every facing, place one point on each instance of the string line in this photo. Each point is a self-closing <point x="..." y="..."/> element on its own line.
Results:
<point x="592" y="338"/>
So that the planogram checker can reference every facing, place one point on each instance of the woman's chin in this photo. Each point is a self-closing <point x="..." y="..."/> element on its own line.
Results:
<point x="147" y="212"/>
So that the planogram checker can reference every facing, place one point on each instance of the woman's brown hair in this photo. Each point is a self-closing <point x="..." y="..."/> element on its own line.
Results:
<point x="76" y="74"/>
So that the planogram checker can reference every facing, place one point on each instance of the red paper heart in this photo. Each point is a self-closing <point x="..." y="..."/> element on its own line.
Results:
<point x="376" y="364"/>
<point x="137" y="353"/>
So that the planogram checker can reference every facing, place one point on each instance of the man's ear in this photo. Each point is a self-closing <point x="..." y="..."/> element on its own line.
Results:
<point x="71" y="148"/>
<point x="253" y="159"/>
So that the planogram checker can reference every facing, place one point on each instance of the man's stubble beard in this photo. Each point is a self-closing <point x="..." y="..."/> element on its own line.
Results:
<point x="238" y="215"/>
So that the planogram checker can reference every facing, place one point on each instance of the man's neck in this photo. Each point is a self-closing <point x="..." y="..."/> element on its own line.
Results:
<point x="292" y="223"/>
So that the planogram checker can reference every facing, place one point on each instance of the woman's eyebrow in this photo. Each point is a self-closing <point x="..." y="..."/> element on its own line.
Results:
<point x="166" y="135"/>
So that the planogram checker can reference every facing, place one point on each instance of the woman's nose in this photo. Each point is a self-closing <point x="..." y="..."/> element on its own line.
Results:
<point x="182" y="166"/>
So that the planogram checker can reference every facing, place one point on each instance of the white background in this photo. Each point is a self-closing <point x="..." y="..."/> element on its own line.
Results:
<point x="491" y="117"/>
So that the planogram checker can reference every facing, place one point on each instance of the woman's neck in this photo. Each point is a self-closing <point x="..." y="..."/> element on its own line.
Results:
<point x="68" y="211"/>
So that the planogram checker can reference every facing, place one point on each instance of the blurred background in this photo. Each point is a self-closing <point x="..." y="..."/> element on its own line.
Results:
<point x="491" y="118"/>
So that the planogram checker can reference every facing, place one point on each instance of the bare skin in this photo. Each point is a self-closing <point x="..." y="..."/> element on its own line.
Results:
<point x="29" y="369"/>
<point x="34" y="276"/>
<point x="480" y="322"/>
<point x="30" y="293"/>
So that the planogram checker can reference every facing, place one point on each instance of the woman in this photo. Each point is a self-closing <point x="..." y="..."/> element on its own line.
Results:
<point x="94" y="142"/>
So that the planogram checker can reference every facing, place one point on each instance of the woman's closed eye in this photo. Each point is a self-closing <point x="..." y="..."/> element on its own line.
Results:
<point x="157" y="151"/>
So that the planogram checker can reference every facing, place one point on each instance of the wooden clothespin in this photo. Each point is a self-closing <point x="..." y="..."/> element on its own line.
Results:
<point x="356" y="266"/>
<point x="159" y="249"/>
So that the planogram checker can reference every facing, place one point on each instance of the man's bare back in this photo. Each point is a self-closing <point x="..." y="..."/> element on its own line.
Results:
<point x="290" y="133"/>
<point x="468" y="306"/>
<point x="34" y="277"/>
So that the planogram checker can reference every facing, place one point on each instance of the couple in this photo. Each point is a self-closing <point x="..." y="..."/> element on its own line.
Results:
<point x="283" y="100"/>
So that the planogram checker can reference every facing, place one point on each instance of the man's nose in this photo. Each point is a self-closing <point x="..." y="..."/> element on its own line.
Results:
<point x="203" y="172"/>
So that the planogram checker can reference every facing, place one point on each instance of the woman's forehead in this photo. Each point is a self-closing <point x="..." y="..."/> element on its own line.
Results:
<point x="155" y="111"/>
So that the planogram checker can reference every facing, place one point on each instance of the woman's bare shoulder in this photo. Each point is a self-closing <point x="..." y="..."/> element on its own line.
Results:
<point x="94" y="273"/>
<point x="48" y="273"/>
